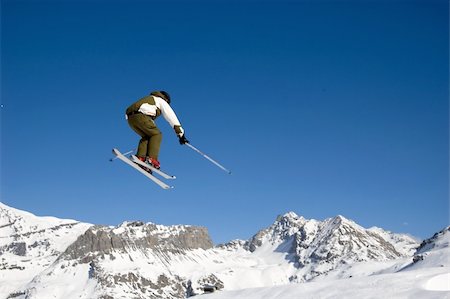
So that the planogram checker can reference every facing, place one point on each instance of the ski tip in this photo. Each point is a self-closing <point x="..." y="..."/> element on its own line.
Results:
<point x="115" y="153"/>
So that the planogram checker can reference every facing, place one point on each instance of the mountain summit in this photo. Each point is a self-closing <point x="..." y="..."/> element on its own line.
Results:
<point x="318" y="247"/>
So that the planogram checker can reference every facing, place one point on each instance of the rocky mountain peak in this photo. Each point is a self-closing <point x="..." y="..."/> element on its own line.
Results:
<point x="283" y="228"/>
<point x="289" y="217"/>
<point x="287" y="224"/>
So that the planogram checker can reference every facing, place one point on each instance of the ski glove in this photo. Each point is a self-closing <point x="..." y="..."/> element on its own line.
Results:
<point x="183" y="139"/>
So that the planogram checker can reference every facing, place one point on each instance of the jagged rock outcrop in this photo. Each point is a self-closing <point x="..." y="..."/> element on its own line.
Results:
<point x="130" y="236"/>
<point x="438" y="239"/>
<point x="434" y="251"/>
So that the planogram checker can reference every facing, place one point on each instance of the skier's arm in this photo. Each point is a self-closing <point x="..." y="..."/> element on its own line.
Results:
<point x="170" y="116"/>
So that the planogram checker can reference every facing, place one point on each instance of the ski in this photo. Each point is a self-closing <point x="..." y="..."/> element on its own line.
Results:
<point x="153" y="169"/>
<point x="135" y="166"/>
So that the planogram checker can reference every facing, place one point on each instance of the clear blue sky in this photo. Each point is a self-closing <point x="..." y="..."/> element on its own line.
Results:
<point x="318" y="107"/>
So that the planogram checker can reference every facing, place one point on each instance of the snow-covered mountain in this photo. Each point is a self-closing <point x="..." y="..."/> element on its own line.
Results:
<point x="45" y="257"/>
<point x="426" y="275"/>
<point x="30" y="244"/>
<point x="317" y="247"/>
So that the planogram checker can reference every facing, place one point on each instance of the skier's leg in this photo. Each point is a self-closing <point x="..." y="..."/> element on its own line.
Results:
<point x="142" y="147"/>
<point x="134" y="124"/>
<point x="154" y="138"/>
<point x="154" y="146"/>
<point x="151" y="135"/>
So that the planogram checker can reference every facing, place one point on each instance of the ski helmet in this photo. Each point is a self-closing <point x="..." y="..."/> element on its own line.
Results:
<point x="162" y="94"/>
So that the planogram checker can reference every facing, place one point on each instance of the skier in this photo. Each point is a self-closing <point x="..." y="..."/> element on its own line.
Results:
<point x="141" y="117"/>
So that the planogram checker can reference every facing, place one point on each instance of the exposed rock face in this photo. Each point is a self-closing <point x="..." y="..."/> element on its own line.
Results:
<point x="435" y="251"/>
<point x="439" y="239"/>
<point x="129" y="236"/>
<point x="17" y="248"/>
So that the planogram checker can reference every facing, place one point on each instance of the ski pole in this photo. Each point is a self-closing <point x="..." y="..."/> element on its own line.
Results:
<point x="207" y="157"/>
<point x="125" y="154"/>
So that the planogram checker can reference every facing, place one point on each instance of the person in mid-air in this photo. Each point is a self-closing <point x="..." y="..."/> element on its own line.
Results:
<point x="141" y="117"/>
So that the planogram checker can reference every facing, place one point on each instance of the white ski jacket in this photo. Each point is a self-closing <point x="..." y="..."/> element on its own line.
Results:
<point x="166" y="111"/>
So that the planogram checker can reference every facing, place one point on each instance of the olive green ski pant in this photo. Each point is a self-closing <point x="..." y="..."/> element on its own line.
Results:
<point x="151" y="139"/>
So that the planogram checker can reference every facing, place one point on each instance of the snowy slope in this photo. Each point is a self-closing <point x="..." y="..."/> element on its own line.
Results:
<point x="67" y="259"/>
<point x="433" y="252"/>
<point x="414" y="284"/>
<point x="30" y="244"/>
<point x="403" y="243"/>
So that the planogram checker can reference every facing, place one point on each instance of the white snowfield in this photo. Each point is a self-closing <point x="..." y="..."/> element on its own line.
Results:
<point x="431" y="283"/>
<point x="373" y="267"/>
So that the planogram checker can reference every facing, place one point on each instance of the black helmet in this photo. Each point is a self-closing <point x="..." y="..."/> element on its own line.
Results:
<point x="162" y="94"/>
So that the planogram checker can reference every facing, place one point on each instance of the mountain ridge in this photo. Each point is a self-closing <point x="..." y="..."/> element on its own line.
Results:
<point x="149" y="260"/>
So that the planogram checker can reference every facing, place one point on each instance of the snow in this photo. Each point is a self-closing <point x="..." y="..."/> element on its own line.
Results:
<point x="425" y="284"/>
<point x="439" y="283"/>
<point x="404" y="243"/>
<point x="64" y="283"/>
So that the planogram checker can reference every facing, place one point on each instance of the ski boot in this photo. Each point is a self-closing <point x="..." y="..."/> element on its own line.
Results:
<point x="143" y="167"/>
<point x="153" y="162"/>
